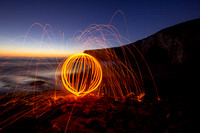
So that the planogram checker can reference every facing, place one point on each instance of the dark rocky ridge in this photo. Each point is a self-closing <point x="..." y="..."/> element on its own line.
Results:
<point x="171" y="54"/>
<point x="177" y="44"/>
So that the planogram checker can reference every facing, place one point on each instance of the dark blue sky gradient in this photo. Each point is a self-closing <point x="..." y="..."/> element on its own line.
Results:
<point x="143" y="17"/>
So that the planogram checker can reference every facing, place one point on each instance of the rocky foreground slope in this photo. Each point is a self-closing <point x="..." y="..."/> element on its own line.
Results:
<point x="96" y="114"/>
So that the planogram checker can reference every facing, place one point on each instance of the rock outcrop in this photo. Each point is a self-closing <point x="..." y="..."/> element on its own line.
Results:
<point x="172" y="55"/>
<point x="177" y="44"/>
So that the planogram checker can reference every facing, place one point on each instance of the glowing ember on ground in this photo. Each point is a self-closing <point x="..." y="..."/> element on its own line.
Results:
<point x="81" y="74"/>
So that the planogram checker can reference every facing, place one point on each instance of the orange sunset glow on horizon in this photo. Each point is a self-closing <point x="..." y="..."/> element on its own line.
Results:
<point x="36" y="53"/>
<point x="27" y="54"/>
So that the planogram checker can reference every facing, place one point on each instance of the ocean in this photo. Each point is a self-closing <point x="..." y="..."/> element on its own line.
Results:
<point x="20" y="74"/>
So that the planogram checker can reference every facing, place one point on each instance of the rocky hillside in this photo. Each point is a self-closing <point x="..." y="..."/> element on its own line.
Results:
<point x="176" y="44"/>
<point x="171" y="53"/>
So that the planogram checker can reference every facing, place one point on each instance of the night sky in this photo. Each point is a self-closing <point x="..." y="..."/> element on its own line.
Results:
<point x="143" y="18"/>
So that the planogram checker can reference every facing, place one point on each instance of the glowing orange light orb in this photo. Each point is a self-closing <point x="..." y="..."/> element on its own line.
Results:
<point x="81" y="74"/>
